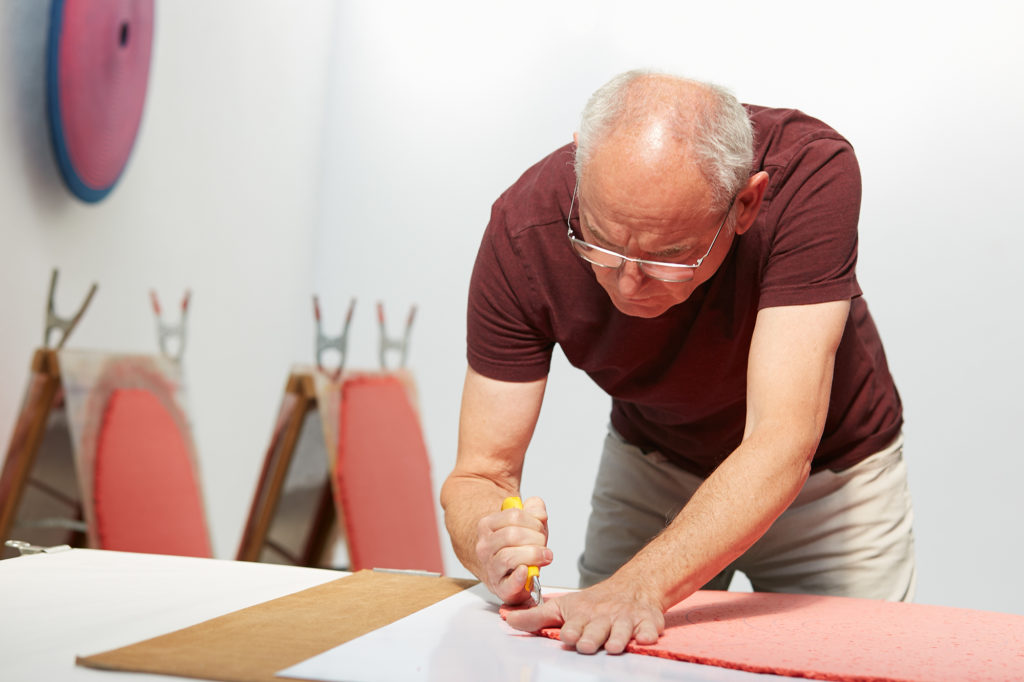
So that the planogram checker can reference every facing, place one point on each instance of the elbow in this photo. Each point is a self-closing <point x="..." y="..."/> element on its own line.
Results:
<point x="448" y="493"/>
<point x="803" y="450"/>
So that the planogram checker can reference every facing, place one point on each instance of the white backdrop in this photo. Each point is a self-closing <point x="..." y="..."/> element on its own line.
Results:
<point x="436" y="107"/>
<point x="220" y="195"/>
<point x="354" y="149"/>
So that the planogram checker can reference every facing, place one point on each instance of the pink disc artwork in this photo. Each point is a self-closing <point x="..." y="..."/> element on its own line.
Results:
<point x="98" y="59"/>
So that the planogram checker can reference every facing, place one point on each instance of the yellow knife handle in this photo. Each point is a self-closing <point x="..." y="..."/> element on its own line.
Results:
<point x="531" y="571"/>
<point x="511" y="503"/>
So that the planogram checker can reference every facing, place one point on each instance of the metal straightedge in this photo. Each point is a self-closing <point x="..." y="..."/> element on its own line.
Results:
<point x="26" y="548"/>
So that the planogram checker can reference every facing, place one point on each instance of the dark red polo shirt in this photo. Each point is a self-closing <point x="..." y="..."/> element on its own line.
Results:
<point x="678" y="381"/>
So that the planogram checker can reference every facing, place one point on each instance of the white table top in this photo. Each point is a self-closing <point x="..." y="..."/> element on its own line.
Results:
<point x="54" y="607"/>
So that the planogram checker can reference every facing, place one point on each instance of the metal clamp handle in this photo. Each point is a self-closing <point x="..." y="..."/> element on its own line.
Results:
<point x="165" y="332"/>
<point x="400" y="344"/>
<point x="338" y="343"/>
<point x="64" y="324"/>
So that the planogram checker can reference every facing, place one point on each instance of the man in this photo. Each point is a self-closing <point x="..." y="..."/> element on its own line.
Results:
<point x="697" y="259"/>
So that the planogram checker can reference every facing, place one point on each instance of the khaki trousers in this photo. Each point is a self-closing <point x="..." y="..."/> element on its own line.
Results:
<point x="848" y="533"/>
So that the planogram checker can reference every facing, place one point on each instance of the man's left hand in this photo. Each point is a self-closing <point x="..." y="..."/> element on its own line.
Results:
<point x="599" y="616"/>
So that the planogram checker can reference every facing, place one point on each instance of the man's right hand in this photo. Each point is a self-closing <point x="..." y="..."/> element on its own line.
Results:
<point x="507" y="543"/>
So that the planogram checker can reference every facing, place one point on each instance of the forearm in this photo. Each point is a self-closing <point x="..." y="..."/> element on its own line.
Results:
<point x="789" y="380"/>
<point x="466" y="499"/>
<point x="495" y="427"/>
<point x="788" y="386"/>
<point x="728" y="513"/>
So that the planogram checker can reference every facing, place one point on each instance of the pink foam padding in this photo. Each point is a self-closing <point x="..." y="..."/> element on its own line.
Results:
<point x="383" y="478"/>
<point x="146" y="494"/>
<point x="838" y="638"/>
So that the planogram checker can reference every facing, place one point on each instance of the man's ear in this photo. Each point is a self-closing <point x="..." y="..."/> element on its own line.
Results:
<point x="576" y="139"/>
<point x="748" y="201"/>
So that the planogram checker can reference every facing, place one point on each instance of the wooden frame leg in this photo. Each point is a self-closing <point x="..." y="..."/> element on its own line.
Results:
<point x="27" y="436"/>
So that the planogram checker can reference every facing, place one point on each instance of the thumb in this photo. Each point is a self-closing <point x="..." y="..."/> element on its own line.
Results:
<point x="547" y="615"/>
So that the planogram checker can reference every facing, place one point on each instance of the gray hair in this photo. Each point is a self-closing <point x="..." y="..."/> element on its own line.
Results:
<point x="715" y="127"/>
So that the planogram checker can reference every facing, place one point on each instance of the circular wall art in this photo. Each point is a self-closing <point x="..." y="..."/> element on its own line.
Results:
<point x="97" y="73"/>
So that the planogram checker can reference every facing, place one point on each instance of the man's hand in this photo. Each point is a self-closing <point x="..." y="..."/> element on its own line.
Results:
<point x="602" y="615"/>
<point x="507" y="543"/>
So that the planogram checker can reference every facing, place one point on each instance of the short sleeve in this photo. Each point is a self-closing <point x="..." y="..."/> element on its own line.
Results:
<point x="504" y="340"/>
<point x="814" y="207"/>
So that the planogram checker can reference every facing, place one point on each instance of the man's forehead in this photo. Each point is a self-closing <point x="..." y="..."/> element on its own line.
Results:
<point x="614" y="198"/>
<point x="672" y="234"/>
<point x="617" y="175"/>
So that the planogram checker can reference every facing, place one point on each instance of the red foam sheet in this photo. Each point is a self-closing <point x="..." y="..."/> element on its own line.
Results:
<point x="383" y="478"/>
<point x="839" y="638"/>
<point x="146" y="494"/>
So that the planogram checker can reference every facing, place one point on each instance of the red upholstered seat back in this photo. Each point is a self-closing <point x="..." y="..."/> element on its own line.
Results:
<point x="145" y="490"/>
<point x="382" y="478"/>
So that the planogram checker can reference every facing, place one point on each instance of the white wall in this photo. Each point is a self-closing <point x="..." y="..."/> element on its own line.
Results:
<point x="437" y="107"/>
<point x="219" y="196"/>
<point x="355" y="148"/>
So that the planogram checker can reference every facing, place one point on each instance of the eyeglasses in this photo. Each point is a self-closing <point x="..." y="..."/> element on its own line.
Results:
<point x="666" y="272"/>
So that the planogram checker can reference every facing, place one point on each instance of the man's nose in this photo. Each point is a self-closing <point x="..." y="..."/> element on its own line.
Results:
<point x="630" y="278"/>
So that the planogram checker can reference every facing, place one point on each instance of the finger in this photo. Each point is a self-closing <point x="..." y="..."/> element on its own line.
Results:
<point x="522" y="520"/>
<point x="547" y="615"/>
<point x="513" y="546"/>
<point x="535" y="507"/>
<point x="572" y="629"/>
<point x="518" y="536"/>
<point x="509" y="586"/>
<point x="595" y="634"/>
<point x="647" y="632"/>
<point x="524" y="555"/>
<point x="512" y="588"/>
<point x="517" y="532"/>
<point x="509" y="559"/>
<point x="619" y="637"/>
<point x="495" y="521"/>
